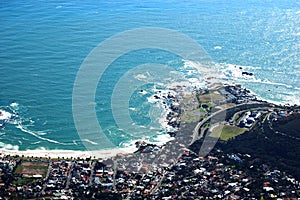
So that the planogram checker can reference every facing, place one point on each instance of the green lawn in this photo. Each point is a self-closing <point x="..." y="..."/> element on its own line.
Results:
<point x="213" y="96"/>
<point x="227" y="105"/>
<point x="32" y="168"/>
<point x="227" y="131"/>
<point x="24" y="181"/>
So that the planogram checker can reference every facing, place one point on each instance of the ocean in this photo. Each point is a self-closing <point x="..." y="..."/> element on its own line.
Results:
<point x="44" y="43"/>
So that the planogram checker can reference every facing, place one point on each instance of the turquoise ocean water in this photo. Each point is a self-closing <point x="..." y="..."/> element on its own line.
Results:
<point x="43" y="43"/>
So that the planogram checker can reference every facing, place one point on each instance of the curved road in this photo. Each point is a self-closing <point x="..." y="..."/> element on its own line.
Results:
<point x="196" y="129"/>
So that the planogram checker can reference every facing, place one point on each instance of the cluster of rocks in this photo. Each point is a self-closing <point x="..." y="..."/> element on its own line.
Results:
<point x="247" y="73"/>
<point x="171" y="103"/>
<point x="240" y="94"/>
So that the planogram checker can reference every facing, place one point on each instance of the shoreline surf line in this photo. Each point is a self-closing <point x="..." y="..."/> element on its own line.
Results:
<point x="68" y="154"/>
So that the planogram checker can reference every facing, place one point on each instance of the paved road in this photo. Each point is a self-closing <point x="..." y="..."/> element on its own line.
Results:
<point x="47" y="175"/>
<point x="69" y="175"/>
<point x="196" y="129"/>
<point x="93" y="163"/>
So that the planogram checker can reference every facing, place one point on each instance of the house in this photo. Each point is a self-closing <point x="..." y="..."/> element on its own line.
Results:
<point x="250" y="120"/>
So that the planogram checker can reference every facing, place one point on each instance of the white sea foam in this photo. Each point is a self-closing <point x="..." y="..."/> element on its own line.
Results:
<point x="143" y="92"/>
<point x="41" y="133"/>
<point x="14" y="105"/>
<point x="9" y="146"/>
<point x="40" y="149"/>
<point x="158" y="139"/>
<point x="141" y="77"/>
<point x="190" y="79"/>
<point x="193" y="80"/>
<point x="128" y="144"/>
<point x="162" y="139"/>
<point x="152" y="99"/>
<point x="292" y="99"/>
<point x="217" y="47"/>
<point x="35" y="134"/>
<point x="233" y="74"/>
<point x="154" y="128"/>
<point x="36" y="142"/>
<point x="4" y="115"/>
<point x="89" y="141"/>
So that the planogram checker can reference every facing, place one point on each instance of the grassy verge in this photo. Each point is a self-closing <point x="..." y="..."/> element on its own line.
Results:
<point x="226" y="131"/>
<point x="223" y="106"/>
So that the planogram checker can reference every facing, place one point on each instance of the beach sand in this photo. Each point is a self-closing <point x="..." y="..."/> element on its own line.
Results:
<point x="67" y="154"/>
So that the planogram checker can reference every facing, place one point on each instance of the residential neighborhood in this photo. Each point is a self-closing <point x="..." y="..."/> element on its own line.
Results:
<point x="174" y="170"/>
<point x="217" y="176"/>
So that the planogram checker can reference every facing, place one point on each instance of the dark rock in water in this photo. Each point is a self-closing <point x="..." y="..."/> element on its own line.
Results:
<point x="137" y="144"/>
<point x="240" y="67"/>
<point x="247" y="73"/>
<point x="173" y="124"/>
<point x="142" y="90"/>
<point x="172" y="134"/>
<point x="170" y="96"/>
<point x="156" y="97"/>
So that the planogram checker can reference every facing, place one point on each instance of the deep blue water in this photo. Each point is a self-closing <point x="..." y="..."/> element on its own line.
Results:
<point x="42" y="45"/>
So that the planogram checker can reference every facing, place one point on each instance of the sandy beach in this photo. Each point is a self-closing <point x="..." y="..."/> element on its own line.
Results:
<point x="101" y="154"/>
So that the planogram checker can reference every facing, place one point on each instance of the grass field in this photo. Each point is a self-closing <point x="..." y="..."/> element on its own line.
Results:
<point x="28" y="169"/>
<point x="227" y="105"/>
<point x="214" y="96"/>
<point x="32" y="168"/>
<point x="192" y="116"/>
<point x="227" y="131"/>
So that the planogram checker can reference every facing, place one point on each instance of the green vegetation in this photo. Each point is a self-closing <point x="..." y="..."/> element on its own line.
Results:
<point x="266" y="142"/>
<point x="24" y="181"/>
<point x="202" y="109"/>
<point x="193" y="116"/>
<point x="224" y="106"/>
<point x="32" y="168"/>
<point x="207" y="98"/>
<point x="226" y="131"/>
<point x="27" y="169"/>
<point x="238" y="118"/>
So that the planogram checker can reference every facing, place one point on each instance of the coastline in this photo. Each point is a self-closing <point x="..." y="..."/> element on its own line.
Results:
<point x="68" y="154"/>
<point x="170" y="121"/>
